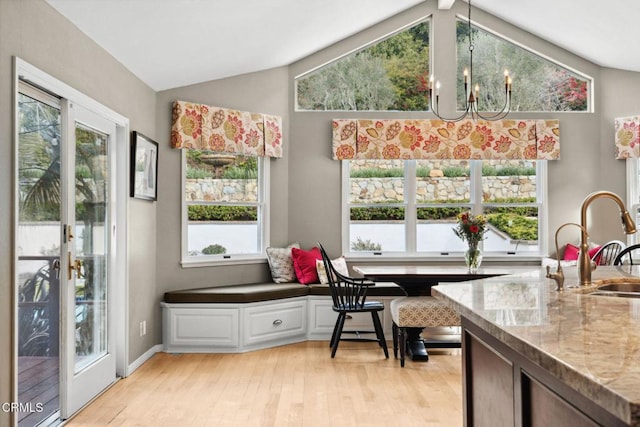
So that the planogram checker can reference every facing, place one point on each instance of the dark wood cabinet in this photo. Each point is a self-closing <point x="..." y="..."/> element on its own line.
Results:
<point x="504" y="388"/>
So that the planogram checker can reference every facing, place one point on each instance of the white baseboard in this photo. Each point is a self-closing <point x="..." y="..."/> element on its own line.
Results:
<point x="145" y="356"/>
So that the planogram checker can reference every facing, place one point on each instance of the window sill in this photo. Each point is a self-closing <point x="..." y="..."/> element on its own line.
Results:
<point x="453" y="258"/>
<point x="234" y="260"/>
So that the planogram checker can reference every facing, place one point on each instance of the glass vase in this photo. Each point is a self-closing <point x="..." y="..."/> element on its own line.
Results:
<point x="473" y="259"/>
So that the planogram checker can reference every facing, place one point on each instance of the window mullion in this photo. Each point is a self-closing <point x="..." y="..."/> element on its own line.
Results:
<point x="346" y="205"/>
<point x="410" y="214"/>
<point x="475" y="178"/>
<point x="185" y="214"/>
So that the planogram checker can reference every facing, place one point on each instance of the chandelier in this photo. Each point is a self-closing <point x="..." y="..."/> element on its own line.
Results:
<point x="471" y="91"/>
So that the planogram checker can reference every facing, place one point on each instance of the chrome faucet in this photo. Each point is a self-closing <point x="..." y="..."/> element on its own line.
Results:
<point x="558" y="276"/>
<point x="584" y="262"/>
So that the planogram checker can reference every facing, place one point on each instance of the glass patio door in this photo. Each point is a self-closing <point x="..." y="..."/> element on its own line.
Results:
<point x="38" y="261"/>
<point x="87" y="262"/>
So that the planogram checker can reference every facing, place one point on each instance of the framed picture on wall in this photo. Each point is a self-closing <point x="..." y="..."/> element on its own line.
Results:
<point x="144" y="167"/>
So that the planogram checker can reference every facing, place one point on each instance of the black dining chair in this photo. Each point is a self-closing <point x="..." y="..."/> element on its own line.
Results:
<point x="628" y="256"/>
<point x="349" y="296"/>
<point x="608" y="252"/>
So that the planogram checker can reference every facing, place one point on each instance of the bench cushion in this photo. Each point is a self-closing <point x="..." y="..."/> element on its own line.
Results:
<point x="269" y="291"/>
<point x="254" y="292"/>
<point x="422" y="312"/>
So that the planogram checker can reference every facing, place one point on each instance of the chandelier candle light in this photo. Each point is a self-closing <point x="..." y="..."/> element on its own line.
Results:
<point x="472" y="93"/>
<point x="471" y="228"/>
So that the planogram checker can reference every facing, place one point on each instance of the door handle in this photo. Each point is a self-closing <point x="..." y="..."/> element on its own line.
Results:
<point x="77" y="266"/>
<point x="56" y="267"/>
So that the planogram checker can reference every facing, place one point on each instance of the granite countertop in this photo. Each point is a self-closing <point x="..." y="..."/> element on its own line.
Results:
<point x="592" y="343"/>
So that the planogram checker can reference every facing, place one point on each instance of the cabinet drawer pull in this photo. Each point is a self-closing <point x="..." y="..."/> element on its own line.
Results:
<point x="348" y="317"/>
<point x="277" y="322"/>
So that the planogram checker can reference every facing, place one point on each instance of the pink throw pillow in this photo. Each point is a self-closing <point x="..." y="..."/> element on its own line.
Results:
<point x="304" y="262"/>
<point x="571" y="252"/>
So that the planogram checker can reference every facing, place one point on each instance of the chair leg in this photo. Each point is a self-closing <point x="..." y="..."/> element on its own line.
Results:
<point x="380" y="333"/>
<point x="335" y="329"/>
<point x="402" y="334"/>
<point x="338" y="332"/>
<point x="394" y="332"/>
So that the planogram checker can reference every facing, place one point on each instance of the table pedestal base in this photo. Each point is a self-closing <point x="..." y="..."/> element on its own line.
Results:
<point x="415" y="346"/>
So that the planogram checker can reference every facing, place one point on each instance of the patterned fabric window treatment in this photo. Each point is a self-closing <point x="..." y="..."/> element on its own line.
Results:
<point x="627" y="137"/>
<point x="435" y="139"/>
<point x="202" y="127"/>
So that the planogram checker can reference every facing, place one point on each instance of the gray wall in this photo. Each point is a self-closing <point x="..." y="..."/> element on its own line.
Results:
<point x="35" y="32"/>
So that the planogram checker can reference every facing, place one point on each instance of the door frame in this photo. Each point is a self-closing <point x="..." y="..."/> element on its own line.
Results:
<point x="23" y="71"/>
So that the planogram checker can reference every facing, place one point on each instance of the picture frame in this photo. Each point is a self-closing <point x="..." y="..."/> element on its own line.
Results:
<point x="144" y="167"/>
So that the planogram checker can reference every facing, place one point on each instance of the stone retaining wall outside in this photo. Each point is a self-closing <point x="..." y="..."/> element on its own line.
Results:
<point x="222" y="190"/>
<point x="376" y="190"/>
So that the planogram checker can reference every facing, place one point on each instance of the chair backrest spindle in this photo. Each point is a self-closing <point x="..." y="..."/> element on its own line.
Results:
<point x="345" y="291"/>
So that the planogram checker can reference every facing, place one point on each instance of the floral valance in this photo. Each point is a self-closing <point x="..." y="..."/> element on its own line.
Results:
<point x="627" y="137"/>
<point x="435" y="139"/>
<point x="202" y="127"/>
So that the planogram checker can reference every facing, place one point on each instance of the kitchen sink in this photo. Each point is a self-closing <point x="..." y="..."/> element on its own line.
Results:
<point x="616" y="294"/>
<point x="628" y="287"/>
<point x="620" y="287"/>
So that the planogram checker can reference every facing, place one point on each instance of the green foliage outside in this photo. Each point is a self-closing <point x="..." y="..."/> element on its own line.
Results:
<point x="490" y="170"/>
<point x="390" y="75"/>
<point x="365" y="245"/>
<point x="448" y="172"/>
<point x="222" y="213"/>
<point x="197" y="173"/>
<point x="382" y="213"/>
<point x="393" y="75"/>
<point x="246" y="168"/>
<point x="435" y="214"/>
<point x="516" y="226"/>
<point x="538" y="84"/>
<point x="214" y="249"/>
<point x="242" y="168"/>
<point x="519" y="222"/>
<point x="377" y="173"/>
<point x="530" y="211"/>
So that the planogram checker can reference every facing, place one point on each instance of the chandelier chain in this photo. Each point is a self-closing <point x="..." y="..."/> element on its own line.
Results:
<point x="471" y="91"/>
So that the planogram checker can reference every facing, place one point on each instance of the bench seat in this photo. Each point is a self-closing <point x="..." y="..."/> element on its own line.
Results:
<point x="254" y="292"/>
<point x="269" y="291"/>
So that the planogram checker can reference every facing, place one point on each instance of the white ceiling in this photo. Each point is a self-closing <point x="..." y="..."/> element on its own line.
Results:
<point x="173" y="43"/>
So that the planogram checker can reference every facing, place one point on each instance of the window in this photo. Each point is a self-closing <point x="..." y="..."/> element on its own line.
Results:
<point x="538" y="83"/>
<point x="409" y="207"/>
<point x="224" y="207"/>
<point x="392" y="74"/>
<point x="633" y="194"/>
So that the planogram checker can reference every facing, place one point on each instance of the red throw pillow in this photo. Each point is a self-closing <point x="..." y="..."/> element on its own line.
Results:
<point x="571" y="252"/>
<point x="304" y="263"/>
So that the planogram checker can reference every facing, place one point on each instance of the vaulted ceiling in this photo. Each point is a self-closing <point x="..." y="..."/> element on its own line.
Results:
<point x="172" y="43"/>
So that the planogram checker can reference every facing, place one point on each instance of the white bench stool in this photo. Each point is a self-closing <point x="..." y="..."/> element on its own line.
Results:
<point x="418" y="312"/>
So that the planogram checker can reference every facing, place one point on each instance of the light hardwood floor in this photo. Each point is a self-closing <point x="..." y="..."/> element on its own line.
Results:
<point x="294" y="385"/>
